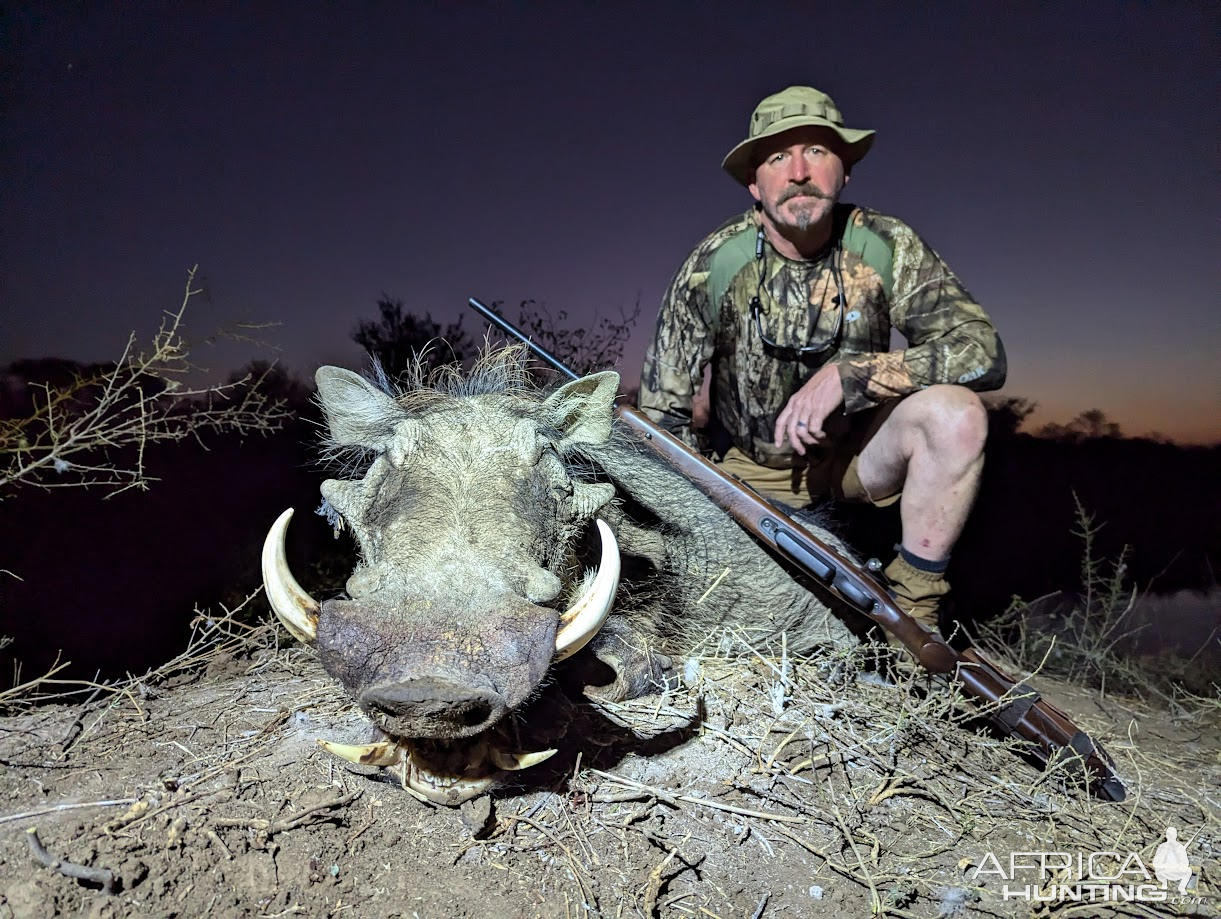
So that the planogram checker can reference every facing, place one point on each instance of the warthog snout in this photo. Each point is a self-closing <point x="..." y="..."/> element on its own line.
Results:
<point x="433" y="706"/>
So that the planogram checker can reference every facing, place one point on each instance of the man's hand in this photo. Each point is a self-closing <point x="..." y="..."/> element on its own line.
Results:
<point x="802" y="418"/>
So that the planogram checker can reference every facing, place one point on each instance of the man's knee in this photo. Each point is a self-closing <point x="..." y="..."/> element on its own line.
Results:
<point x="954" y="421"/>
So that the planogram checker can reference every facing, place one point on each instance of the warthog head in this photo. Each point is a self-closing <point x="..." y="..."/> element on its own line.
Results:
<point x="472" y="517"/>
<point x="483" y="507"/>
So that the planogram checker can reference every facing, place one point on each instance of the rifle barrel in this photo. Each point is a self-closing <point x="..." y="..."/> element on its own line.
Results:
<point x="509" y="329"/>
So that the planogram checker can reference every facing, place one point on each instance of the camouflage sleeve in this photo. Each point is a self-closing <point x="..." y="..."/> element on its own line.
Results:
<point x="681" y="347"/>
<point x="950" y="338"/>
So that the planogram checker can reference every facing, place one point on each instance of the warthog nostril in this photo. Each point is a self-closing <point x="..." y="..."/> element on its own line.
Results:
<point x="476" y="715"/>
<point x="433" y="707"/>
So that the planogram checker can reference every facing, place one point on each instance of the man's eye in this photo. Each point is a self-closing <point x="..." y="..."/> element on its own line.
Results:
<point x="776" y="158"/>
<point x="815" y="151"/>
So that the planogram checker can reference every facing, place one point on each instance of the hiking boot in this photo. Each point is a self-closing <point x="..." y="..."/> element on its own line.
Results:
<point x="918" y="593"/>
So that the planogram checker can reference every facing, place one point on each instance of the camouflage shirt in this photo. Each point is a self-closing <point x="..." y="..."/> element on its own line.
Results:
<point x="893" y="280"/>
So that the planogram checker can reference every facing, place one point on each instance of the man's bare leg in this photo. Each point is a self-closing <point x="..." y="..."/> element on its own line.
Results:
<point x="932" y="447"/>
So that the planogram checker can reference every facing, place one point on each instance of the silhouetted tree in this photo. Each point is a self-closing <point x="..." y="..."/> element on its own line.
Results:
<point x="22" y="381"/>
<point x="590" y="345"/>
<point x="399" y="338"/>
<point x="1006" y="414"/>
<point x="583" y="348"/>
<point x="1091" y="424"/>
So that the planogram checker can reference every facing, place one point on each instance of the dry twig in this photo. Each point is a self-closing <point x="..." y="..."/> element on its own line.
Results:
<point x="702" y="802"/>
<point x="653" y="886"/>
<point x="66" y="807"/>
<point x="272" y="827"/>
<point x="101" y="876"/>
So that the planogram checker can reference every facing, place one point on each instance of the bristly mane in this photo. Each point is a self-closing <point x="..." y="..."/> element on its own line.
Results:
<point x="497" y="371"/>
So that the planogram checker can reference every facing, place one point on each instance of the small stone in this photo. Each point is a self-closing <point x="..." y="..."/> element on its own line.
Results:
<point x="476" y="813"/>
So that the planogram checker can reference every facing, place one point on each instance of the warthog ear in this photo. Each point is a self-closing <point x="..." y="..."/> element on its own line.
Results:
<point x="582" y="409"/>
<point x="357" y="412"/>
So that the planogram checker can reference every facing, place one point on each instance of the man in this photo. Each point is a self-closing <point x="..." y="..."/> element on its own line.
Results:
<point x="792" y="306"/>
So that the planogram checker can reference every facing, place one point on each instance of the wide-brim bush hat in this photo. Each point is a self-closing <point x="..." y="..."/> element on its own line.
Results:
<point x="795" y="107"/>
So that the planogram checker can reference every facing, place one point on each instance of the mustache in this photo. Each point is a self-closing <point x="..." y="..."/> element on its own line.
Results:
<point x="806" y="190"/>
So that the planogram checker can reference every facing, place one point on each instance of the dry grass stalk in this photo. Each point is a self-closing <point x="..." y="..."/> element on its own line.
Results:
<point x="55" y="808"/>
<point x="702" y="802"/>
<point x="1092" y="640"/>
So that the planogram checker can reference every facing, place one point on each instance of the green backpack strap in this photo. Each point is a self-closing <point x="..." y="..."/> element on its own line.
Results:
<point x="734" y="255"/>
<point x="874" y="250"/>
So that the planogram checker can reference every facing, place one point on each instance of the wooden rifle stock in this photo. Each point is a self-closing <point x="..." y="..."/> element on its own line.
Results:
<point x="1015" y="708"/>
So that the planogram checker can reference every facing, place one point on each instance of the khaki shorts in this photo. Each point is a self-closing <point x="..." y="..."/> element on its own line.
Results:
<point x="828" y="470"/>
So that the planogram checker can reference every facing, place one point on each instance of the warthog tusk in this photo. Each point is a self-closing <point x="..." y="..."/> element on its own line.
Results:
<point x="295" y="608"/>
<point x="369" y="754"/>
<point x="581" y="621"/>
<point x="513" y="762"/>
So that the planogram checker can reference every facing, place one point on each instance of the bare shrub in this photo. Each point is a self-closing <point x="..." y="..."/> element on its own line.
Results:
<point x="90" y="426"/>
<point x="75" y="430"/>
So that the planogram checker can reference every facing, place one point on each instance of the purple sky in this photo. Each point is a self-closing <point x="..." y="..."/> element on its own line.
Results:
<point x="1063" y="158"/>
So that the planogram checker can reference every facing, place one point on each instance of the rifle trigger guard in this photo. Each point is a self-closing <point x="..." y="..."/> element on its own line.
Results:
<point x="1011" y="715"/>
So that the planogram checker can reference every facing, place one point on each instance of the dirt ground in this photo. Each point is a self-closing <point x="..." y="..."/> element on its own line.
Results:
<point x="782" y="789"/>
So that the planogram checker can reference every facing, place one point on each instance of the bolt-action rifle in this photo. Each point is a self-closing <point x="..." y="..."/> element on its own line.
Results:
<point x="1014" y="707"/>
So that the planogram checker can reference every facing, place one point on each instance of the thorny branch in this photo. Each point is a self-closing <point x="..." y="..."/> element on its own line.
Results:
<point x="73" y="430"/>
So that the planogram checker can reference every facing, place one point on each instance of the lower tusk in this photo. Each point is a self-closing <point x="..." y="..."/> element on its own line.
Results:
<point x="294" y="607"/>
<point x="581" y="621"/>
<point x="369" y="754"/>
<point x="514" y="762"/>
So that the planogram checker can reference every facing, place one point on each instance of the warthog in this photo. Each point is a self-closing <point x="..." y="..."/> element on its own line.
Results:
<point x="476" y="501"/>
